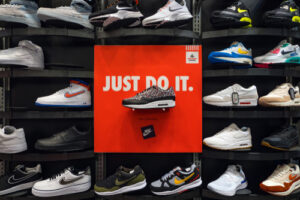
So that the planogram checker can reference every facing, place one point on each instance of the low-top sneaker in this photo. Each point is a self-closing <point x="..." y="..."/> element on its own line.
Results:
<point x="12" y="140"/>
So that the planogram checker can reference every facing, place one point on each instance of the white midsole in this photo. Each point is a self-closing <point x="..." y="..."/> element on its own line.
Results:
<point x="228" y="192"/>
<point x="22" y="20"/>
<point x="237" y="60"/>
<point x="293" y="187"/>
<point x="231" y="145"/>
<point x="17" y="188"/>
<point x="16" y="148"/>
<point x="295" y="102"/>
<point x="121" y="14"/>
<point x="171" y="18"/>
<point x="154" y="104"/>
<point x="242" y="103"/>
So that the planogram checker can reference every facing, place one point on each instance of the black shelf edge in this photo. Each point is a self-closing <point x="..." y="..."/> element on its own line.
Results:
<point x="51" y="114"/>
<point x="19" y="73"/>
<point x="250" y="114"/>
<point x="134" y="32"/>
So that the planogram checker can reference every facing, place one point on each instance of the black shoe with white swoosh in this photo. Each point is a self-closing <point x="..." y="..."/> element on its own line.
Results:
<point x="22" y="178"/>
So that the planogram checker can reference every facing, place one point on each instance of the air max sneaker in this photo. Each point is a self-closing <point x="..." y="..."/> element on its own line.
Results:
<point x="230" y="182"/>
<point x="78" y="94"/>
<point x="233" y="96"/>
<point x="153" y="97"/>
<point x="283" y="181"/>
<point x="235" y="16"/>
<point x="237" y="53"/>
<point x="282" y="140"/>
<point x="21" y="178"/>
<point x="284" y="95"/>
<point x="75" y="16"/>
<point x="70" y="181"/>
<point x="175" y="13"/>
<point x="230" y="138"/>
<point x="124" y="180"/>
<point x="287" y="15"/>
<point x="176" y="181"/>
<point x="124" y="14"/>
<point x="26" y="54"/>
<point x="12" y="140"/>
<point x="19" y="13"/>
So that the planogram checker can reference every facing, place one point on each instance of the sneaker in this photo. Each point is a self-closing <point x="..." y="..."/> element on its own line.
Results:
<point x="287" y="15"/>
<point x="230" y="182"/>
<point x="176" y="181"/>
<point x="230" y="138"/>
<point x="12" y="140"/>
<point x="283" y="181"/>
<point x="282" y="140"/>
<point x="19" y="13"/>
<point x="124" y="14"/>
<point x="234" y="95"/>
<point x="26" y="54"/>
<point x="76" y="15"/>
<point x="78" y="94"/>
<point x="71" y="139"/>
<point x="153" y="97"/>
<point x="22" y="178"/>
<point x="175" y="13"/>
<point x="70" y="181"/>
<point x="284" y="95"/>
<point x="236" y="53"/>
<point x="124" y="180"/>
<point x="235" y="16"/>
<point x="283" y="53"/>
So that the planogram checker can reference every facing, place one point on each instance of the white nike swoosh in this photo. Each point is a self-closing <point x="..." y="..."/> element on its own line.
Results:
<point x="12" y="179"/>
<point x="123" y="8"/>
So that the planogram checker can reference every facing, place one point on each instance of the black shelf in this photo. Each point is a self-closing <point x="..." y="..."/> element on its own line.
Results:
<point x="49" y="114"/>
<point x="135" y="32"/>
<point x="19" y="73"/>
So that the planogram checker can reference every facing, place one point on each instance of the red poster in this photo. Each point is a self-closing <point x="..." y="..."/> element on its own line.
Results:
<point x="123" y="71"/>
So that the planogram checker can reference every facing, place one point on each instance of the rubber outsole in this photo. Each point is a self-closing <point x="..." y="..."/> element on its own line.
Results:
<point x="266" y="144"/>
<point x="228" y="22"/>
<point x="242" y="148"/>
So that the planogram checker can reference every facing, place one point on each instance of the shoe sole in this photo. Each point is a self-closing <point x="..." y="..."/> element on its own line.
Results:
<point x="266" y="144"/>
<point x="248" y="148"/>
<point x="116" y="23"/>
<point x="153" y="105"/>
<point x="229" y="22"/>
<point x="243" y="61"/>
<point x="293" y="188"/>
<point x="18" y="188"/>
<point x="135" y="187"/>
<point x="168" y="24"/>
<point x="62" y="106"/>
<point x="242" y="103"/>
<point x="280" y="22"/>
<point x="77" y="146"/>
<point x="227" y="192"/>
<point x="294" y="103"/>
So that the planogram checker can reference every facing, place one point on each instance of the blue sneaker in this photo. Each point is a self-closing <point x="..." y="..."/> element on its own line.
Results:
<point x="19" y="13"/>
<point x="237" y="53"/>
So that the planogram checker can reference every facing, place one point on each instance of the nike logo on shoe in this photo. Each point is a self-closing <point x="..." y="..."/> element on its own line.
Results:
<point x="63" y="181"/>
<point x="286" y="52"/>
<point x="178" y="182"/>
<point x="68" y="95"/>
<point x="124" y="8"/>
<point x="174" y="9"/>
<point x="12" y="180"/>
<point x="119" y="183"/>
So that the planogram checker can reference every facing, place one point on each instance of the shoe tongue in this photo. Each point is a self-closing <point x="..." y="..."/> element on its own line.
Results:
<point x="285" y="4"/>
<point x="233" y="126"/>
<point x="177" y="169"/>
<point x="234" y="43"/>
<point x="286" y="85"/>
<point x="71" y="169"/>
<point x="81" y="6"/>
<point x="293" y="166"/>
<point x="28" y="4"/>
<point x="232" y="168"/>
<point x="20" y="168"/>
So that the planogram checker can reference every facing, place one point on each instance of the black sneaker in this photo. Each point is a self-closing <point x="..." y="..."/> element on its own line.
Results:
<point x="124" y="14"/>
<point x="282" y="140"/>
<point x="234" y="16"/>
<point x="287" y="15"/>
<point x="22" y="178"/>
<point x="69" y="140"/>
<point x="124" y="180"/>
<point x="153" y="97"/>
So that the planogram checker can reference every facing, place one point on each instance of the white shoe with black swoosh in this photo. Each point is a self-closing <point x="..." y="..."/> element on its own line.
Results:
<point x="22" y="178"/>
<point x="69" y="181"/>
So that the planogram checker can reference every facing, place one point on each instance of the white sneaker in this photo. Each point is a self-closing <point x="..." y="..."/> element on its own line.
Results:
<point x="173" y="13"/>
<point x="234" y="95"/>
<point x="78" y="94"/>
<point x="12" y="140"/>
<point x="230" y="138"/>
<point x="67" y="182"/>
<point x="230" y="182"/>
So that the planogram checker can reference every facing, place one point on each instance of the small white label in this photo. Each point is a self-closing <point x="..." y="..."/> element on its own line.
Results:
<point x="192" y="57"/>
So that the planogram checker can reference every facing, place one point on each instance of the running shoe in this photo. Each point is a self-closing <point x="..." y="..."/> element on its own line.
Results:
<point x="75" y="16"/>
<point x="283" y="181"/>
<point x="12" y="140"/>
<point x="282" y="140"/>
<point x="235" y="16"/>
<point x="19" y="13"/>
<point x="233" y="96"/>
<point x="124" y="14"/>
<point x="176" y="181"/>
<point x="230" y="138"/>
<point x="230" y="182"/>
<point x="237" y="53"/>
<point x="124" y="180"/>
<point x="175" y="13"/>
<point x="285" y="95"/>
<point x="153" y="97"/>
<point x="78" y="94"/>
<point x="287" y="15"/>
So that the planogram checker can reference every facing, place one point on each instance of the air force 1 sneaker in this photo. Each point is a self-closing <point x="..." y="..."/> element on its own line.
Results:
<point x="174" y="13"/>
<point x="230" y="138"/>
<point x="78" y="94"/>
<point x="70" y="181"/>
<point x="237" y="53"/>
<point x="12" y="140"/>
<point x="20" y="13"/>
<point x="76" y="15"/>
<point x="233" y="96"/>
<point x="26" y="54"/>
<point x="230" y="182"/>
<point x="176" y="181"/>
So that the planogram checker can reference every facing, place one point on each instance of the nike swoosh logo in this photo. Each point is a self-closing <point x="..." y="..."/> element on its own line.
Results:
<point x="293" y="10"/>
<point x="12" y="180"/>
<point x="178" y="182"/>
<point x="286" y="52"/>
<point x="118" y="183"/>
<point x="241" y="11"/>
<point x="292" y="177"/>
<point x="241" y="51"/>
<point x="68" y="95"/>
<point x="63" y="181"/>
<point x="124" y="8"/>
<point x="172" y="10"/>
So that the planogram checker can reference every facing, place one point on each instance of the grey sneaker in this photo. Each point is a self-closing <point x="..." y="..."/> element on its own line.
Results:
<point x="153" y="97"/>
<point x="26" y="54"/>
<point x="19" y="12"/>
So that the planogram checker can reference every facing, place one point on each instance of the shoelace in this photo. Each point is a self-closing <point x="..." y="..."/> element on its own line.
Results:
<point x="55" y="176"/>
<point x="143" y="92"/>
<point x="167" y="175"/>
